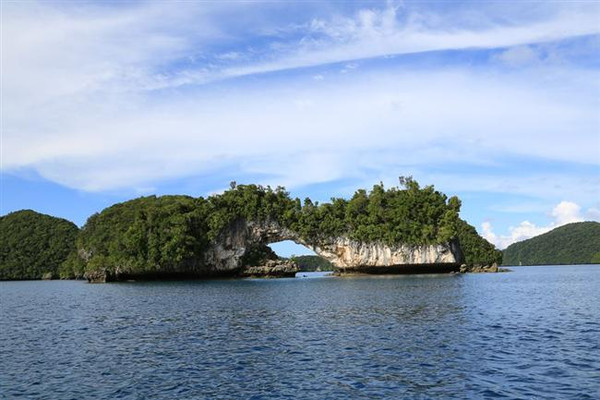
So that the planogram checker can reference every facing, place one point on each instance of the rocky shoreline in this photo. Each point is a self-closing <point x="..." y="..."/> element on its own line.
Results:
<point x="482" y="268"/>
<point x="288" y="269"/>
<point x="272" y="269"/>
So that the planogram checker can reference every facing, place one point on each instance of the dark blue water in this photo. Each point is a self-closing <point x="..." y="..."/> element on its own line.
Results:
<point x="532" y="333"/>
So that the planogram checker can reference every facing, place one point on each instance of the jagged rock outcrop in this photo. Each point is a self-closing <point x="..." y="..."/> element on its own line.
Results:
<point x="349" y="256"/>
<point x="353" y="256"/>
<point x="227" y="253"/>
<point x="271" y="269"/>
<point x="98" y="276"/>
<point x="482" y="268"/>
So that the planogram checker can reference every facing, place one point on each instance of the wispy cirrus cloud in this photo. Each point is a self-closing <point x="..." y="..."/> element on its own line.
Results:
<point x="379" y="32"/>
<point x="384" y="121"/>
<point x="110" y="97"/>
<point x="151" y="45"/>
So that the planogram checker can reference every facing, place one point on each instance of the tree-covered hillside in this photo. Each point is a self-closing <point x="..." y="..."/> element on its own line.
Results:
<point x="312" y="263"/>
<point x="409" y="214"/>
<point x="34" y="245"/>
<point x="144" y="235"/>
<point x="476" y="250"/>
<point x="577" y="243"/>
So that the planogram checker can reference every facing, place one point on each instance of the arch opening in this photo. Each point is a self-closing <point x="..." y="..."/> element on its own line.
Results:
<point x="289" y="248"/>
<point x="307" y="259"/>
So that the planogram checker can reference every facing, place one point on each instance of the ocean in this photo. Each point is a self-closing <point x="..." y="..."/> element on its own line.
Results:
<point x="531" y="333"/>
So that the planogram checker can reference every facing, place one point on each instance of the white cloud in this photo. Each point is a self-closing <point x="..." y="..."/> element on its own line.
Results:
<point x="563" y="213"/>
<point x="519" y="56"/>
<point x="566" y="212"/>
<point x="52" y="51"/>
<point x="541" y="185"/>
<point x="446" y="116"/>
<point x="96" y="99"/>
<point x="378" y="33"/>
<point x="488" y="233"/>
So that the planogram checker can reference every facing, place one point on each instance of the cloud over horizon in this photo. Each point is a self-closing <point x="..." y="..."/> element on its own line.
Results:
<point x="563" y="213"/>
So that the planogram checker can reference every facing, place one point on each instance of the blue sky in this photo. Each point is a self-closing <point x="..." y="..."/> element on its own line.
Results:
<point x="496" y="102"/>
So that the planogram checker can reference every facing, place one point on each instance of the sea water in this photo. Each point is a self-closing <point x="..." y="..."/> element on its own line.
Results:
<point x="530" y="333"/>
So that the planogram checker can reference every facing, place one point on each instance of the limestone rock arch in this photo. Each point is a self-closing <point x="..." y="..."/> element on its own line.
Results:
<point x="347" y="255"/>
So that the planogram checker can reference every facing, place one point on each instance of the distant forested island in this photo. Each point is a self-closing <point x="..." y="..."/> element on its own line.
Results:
<point x="34" y="245"/>
<point x="309" y="263"/>
<point x="183" y="236"/>
<point x="576" y="243"/>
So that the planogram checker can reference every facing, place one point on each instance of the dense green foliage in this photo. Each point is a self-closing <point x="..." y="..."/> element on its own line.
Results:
<point x="312" y="263"/>
<point x="251" y="203"/>
<point x="147" y="234"/>
<point x="258" y="255"/>
<point x="577" y="243"/>
<point x="33" y="245"/>
<point x="411" y="215"/>
<point x="476" y="250"/>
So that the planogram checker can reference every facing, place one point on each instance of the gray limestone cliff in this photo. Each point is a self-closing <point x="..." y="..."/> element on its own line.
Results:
<point x="348" y="256"/>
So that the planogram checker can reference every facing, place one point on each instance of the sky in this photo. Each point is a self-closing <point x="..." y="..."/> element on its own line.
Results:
<point x="495" y="102"/>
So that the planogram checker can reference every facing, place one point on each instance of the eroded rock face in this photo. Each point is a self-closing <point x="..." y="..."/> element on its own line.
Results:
<point x="346" y="254"/>
<point x="226" y="255"/>
<point x="353" y="256"/>
<point x="481" y="268"/>
<point x="100" y="276"/>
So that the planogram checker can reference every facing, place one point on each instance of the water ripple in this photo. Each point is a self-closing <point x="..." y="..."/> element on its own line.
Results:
<point x="533" y="333"/>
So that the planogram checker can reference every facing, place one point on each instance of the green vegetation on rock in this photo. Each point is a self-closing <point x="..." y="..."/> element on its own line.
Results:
<point x="410" y="215"/>
<point x="34" y="245"/>
<point x="146" y="235"/>
<point x="250" y="203"/>
<point x="476" y="250"/>
<point x="312" y="263"/>
<point x="576" y="243"/>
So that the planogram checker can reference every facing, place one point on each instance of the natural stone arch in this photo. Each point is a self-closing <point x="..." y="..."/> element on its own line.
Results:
<point x="345" y="254"/>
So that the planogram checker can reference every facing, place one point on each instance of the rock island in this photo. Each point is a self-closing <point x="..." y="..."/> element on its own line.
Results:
<point x="405" y="229"/>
